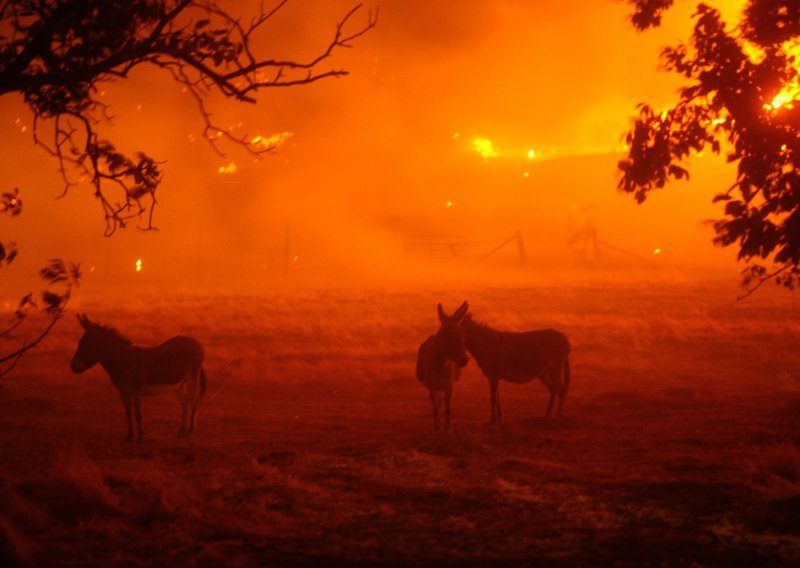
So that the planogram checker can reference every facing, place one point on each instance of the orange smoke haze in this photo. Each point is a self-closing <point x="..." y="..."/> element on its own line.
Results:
<point x="461" y="125"/>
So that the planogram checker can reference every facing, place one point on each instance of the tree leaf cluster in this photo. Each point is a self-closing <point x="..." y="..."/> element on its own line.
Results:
<point x="739" y="98"/>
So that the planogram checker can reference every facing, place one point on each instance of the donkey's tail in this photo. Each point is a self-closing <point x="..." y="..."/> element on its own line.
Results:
<point x="567" y="373"/>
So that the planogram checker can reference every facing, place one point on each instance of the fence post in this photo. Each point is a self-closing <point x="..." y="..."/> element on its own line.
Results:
<point x="523" y="258"/>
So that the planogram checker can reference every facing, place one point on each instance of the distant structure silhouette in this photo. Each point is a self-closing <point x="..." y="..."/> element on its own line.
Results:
<point x="175" y="365"/>
<point x="519" y="357"/>
<point x="583" y="236"/>
<point x="582" y="233"/>
<point x="437" y="247"/>
<point x="439" y="362"/>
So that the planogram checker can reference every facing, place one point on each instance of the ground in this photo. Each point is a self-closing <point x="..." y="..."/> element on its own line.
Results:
<point x="679" y="443"/>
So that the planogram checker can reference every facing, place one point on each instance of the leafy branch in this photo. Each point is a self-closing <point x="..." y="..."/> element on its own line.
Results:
<point x="59" y="279"/>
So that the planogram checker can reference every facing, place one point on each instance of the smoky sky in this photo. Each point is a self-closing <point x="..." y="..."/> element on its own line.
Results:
<point x="379" y="154"/>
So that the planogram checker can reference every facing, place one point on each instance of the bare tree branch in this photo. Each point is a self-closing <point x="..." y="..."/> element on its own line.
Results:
<point x="15" y="356"/>
<point x="59" y="51"/>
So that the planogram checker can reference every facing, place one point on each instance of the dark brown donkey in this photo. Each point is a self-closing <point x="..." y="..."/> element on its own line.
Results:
<point x="176" y="365"/>
<point x="439" y="362"/>
<point x="519" y="357"/>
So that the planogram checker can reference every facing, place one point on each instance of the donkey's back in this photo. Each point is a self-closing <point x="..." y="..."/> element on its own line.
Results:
<point x="526" y="355"/>
<point x="172" y="362"/>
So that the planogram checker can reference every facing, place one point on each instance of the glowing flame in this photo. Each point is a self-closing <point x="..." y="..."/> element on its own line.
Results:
<point x="753" y="52"/>
<point x="229" y="169"/>
<point x="138" y="265"/>
<point x="790" y="92"/>
<point x="484" y="147"/>
<point x="272" y="141"/>
<point x="785" y="98"/>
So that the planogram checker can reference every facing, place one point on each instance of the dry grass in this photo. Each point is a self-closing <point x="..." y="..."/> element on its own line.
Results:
<point x="679" y="444"/>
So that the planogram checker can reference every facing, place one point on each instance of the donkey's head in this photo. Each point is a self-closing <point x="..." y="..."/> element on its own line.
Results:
<point x="451" y="337"/>
<point x="90" y="346"/>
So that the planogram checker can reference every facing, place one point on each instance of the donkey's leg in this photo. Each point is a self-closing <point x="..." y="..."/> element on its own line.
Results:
<point x="137" y="402"/>
<point x="497" y="402"/>
<point x="552" y="386"/>
<point x="435" y="404"/>
<point x="192" y="398"/>
<point x="448" y="394"/>
<point x="494" y="400"/>
<point x="565" y="378"/>
<point x="550" y="404"/>
<point x="183" y="397"/>
<point x="127" y="401"/>
<point x="200" y="390"/>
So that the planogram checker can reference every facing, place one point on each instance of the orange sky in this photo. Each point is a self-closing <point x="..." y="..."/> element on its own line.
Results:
<point x="375" y="158"/>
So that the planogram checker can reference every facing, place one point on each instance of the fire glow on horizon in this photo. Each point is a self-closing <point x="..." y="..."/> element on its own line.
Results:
<point x="363" y="158"/>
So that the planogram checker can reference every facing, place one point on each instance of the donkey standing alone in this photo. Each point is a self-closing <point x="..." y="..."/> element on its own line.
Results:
<point x="439" y="362"/>
<point x="176" y="364"/>
<point x="519" y="357"/>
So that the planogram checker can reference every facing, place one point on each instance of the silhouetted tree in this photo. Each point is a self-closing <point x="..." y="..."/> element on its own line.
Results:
<point x="57" y="53"/>
<point x="740" y="97"/>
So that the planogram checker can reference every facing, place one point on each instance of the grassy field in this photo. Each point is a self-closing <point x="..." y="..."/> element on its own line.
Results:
<point x="680" y="443"/>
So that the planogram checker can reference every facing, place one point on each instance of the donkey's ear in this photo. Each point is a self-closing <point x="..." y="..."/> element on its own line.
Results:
<point x="83" y="320"/>
<point x="461" y="311"/>
<point x="442" y="316"/>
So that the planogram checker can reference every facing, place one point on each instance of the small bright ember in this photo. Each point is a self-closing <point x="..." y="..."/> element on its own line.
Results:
<point x="139" y="265"/>
<point x="484" y="147"/>
<point x="657" y="251"/>
<point x="448" y="204"/>
<point x="229" y="169"/>
<point x="531" y="154"/>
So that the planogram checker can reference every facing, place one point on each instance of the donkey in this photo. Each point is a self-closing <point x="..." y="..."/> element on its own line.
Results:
<point x="176" y="364"/>
<point x="439" y="362"/>
<point x="519" y="357"/>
